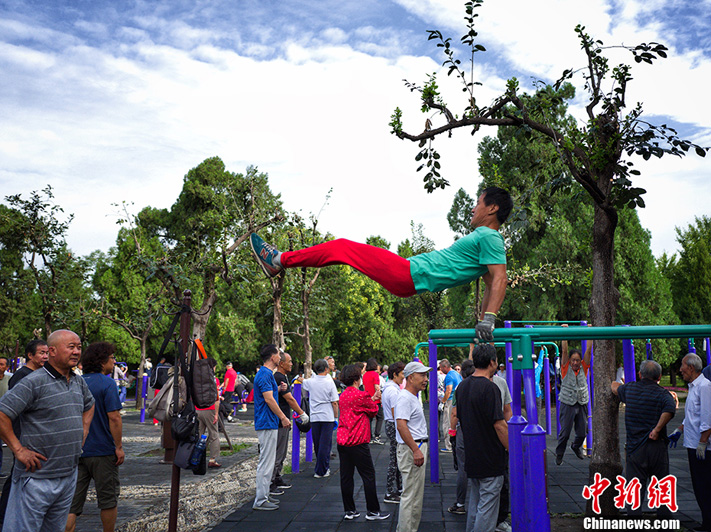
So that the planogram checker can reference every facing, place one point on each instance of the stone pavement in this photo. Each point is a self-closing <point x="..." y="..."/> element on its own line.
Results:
<point x="316" y="503"/>
<point x="221" y="500"/>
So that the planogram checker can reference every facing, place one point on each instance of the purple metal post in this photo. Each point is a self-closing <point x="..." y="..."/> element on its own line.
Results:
<point x="516" y="424"/>
<point x="547" y="380"/>
<point x="434" y="426"/>
<point x="144" y="393"/>
<point x="533" y="439"/>
<point x="309" y="452"/>
<point x="296" y="436"/>
<point x="628" y="361"/>
<point x="708" y="351"/>
<point x="557" y="399"/>
<point x="648" y="346"/>
<point x="507" y="361"/>
<point x="591" y="392"/>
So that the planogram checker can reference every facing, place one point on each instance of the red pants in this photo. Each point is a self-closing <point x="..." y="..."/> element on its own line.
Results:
<point x="388" y="269"/>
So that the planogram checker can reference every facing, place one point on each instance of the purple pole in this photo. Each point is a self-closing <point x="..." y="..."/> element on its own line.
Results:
<point x="516" y="424"/>
<point x="557" y="399"/>
<point x="533" y="439"/>
<point x="648" y="346"/>
<point x="144" y="393"/>
<point x="509" y="367"/>
<point x="296" y="436"/>
<point x="708" y="351"/>
<point x="591" y="392"/>
<point x="434" y="426"/>
<point x="692" y="348"/>
<point x="628" y="361"/>
<point x="547" y="380"/>
<point x="309" y="452"/>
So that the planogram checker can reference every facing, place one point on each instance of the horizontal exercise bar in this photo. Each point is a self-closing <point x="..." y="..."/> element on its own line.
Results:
<point x="448" y="337"/>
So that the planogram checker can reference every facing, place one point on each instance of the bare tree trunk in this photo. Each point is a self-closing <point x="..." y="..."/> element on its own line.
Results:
<point x="278" y="327"/>
<point x="603" y="308"/>
<point x="305" y="295"/>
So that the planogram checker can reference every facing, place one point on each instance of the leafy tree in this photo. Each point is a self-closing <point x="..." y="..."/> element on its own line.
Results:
<point x="212" y="217"/>
<point x="41" y="239"/>
<point x="596" y="156"/>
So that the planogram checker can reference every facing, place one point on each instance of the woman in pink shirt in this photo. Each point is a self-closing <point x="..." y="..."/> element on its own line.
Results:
<point x="357" y="407"/>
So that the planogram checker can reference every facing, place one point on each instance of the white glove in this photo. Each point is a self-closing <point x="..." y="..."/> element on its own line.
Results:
<point x="304" y="418"/>
<point x="701" y="450"/>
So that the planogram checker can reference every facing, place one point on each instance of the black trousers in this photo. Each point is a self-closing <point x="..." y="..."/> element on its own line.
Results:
<point x="352" y="458"/>
<point x="651" y="458"/>
<point x="701" y="481"/>
<point x="322" y="434"/>
<point x="378" y="420"/>
<point x="572" y="415"/>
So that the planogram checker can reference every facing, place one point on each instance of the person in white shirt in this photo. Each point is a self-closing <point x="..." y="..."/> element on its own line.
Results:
<point x="391" y="391"/>
<point x="697" y="429"/>
<point x="412" y="446"/>
<point x="323" y="404"/>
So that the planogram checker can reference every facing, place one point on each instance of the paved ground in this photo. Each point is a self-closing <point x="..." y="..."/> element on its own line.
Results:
<point x="221" y="500"/>
<point x="318" y="501"/>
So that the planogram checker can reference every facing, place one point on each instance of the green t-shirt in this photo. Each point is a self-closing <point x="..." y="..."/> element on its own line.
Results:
<point x="462" y="262"/>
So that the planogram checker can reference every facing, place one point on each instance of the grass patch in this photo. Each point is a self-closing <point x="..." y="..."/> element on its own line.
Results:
<point x="237" y="447"/>
<point x="286" y="470"/>
<point x="153" y="452"/>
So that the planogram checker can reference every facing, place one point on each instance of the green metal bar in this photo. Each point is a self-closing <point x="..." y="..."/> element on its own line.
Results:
<point x="445" y="337"/>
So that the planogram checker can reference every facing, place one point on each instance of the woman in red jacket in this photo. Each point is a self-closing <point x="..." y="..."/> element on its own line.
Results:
<point x="353" y="436"/>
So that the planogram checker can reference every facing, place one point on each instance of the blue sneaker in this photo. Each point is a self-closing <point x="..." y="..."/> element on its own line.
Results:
<point x="267" y="256"/>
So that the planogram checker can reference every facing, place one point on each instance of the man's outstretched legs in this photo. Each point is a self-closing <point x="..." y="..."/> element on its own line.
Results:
<point x="388" y="269"/>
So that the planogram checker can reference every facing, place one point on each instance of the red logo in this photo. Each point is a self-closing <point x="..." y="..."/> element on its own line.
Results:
<point x="660" y="492"/>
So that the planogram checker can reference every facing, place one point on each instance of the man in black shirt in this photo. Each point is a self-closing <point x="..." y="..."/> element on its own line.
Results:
<point x="649" y="408"/>
<point x="486" y="438"/>
<point x="286" y="403"/>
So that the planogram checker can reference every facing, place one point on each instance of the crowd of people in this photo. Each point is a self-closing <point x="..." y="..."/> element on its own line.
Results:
<point x="64" y="429"/>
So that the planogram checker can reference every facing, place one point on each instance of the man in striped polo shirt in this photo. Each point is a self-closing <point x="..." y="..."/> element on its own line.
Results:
<point x="55" y="408"/>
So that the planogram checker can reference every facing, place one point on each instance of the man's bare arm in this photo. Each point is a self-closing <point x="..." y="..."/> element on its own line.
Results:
<point x="274" y="407"/>
<point x="495" y="280"/>
<point x="406" y="435"/>
<point x="86" y="418"/>
<point x="502" y="431"/>
<point x="116" y="428"/>
<point x="334" y="404"/>
<point x="665" y="418"/>
<point x="296" y="407"/>
<point x="30" y="459"/>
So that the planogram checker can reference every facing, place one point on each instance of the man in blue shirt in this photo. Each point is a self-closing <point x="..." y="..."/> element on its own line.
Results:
<point x="267" y="416"/>
<point x="103" y="450"/>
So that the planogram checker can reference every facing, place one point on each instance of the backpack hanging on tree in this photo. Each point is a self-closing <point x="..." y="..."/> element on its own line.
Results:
<point x="204" y="387"/>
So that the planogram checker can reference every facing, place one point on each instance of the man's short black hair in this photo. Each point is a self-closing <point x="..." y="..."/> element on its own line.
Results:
<point x="394" y="369"/>
<point x="350" y="374"/>
<point x="96" y="356"/>
<point x="467" y="368"/>
<point x="267" y="351"/>
<point x="500" y="197"/>
<point x="32" y="345"/>
<point x="482" y="356"/>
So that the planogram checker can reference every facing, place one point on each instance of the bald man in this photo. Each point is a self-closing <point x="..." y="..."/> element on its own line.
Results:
<point x="55" y="408"/>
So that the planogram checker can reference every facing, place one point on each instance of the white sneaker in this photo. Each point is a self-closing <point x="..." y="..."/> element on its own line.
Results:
<point x="503" y="527"/>
<point x="327" y="474"/>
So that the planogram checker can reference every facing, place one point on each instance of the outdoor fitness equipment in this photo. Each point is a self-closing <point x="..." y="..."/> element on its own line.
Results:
<point x="529" y="511"/>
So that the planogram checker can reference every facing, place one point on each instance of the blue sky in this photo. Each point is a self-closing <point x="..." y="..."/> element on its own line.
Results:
<point x="116" y="101"/>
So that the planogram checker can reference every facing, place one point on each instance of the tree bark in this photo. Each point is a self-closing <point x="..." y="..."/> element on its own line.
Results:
<point x="278" y="327"/>
<point x="603" y="308"/>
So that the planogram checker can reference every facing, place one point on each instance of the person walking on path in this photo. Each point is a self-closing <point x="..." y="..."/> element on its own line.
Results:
<point x="323" y="406"/>
<point x="412" y="446"/>
<point x="649" y="408"/>
<point x="267" y="417"/>
<point x="55" y="408"/>
<point x="574" y="399"/>
<point x="371" y="384"/>
<point x="391" y="391"/>
<point x="481" y="253"/>
<point x="353" y="436"/>
<point x="103" y="449"/>
<point x="697" y="429"/>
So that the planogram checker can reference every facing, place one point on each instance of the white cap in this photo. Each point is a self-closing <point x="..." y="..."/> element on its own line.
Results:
<point x="415" y="367"/>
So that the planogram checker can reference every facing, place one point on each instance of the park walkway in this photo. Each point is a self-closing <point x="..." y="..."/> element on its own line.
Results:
<point x="315" y="504"/>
